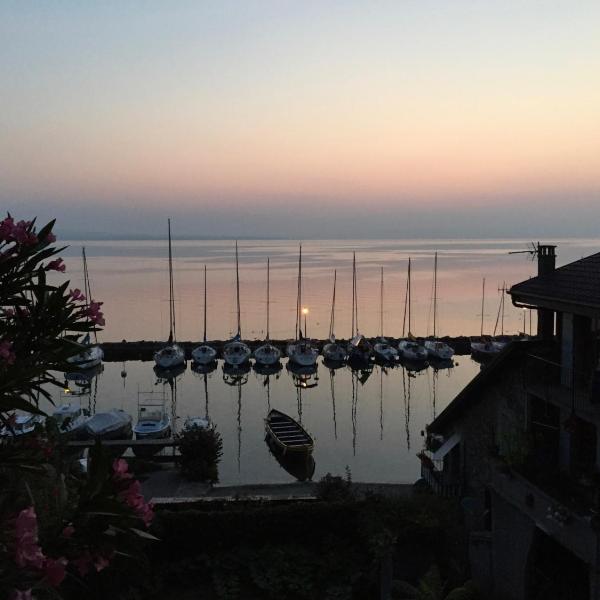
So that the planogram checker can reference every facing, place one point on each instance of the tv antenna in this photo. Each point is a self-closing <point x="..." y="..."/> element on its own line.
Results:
<point x="532" y="250"/>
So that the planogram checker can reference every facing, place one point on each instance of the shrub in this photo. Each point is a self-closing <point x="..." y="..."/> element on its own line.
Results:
<point x="201" y="450"/>
<point x="334" y="488"/>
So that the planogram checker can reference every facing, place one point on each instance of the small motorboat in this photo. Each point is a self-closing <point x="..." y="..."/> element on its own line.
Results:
<point x="71" y="418"/>
<point x="287" y="433"/>
<point x="300" y="465"/>
<point x="22" y="424"/>
<point x="154" y="423"/>
<point x="111" y="425"/>
<point x="413" y="351"/>
<point x="384" y="351"/>
<point x="438" y="349"/>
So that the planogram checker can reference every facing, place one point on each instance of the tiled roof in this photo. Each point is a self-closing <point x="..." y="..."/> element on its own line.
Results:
<point x="577" y="284"/>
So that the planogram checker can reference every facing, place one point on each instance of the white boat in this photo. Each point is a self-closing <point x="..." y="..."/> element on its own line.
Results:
<point x="235" y="352"/>
<point x="437" y="349"/>
<point x="301" y="351"/>
<point x="171" y="355"/>
<point x="484" y="346"/>
<point x="71" y="418"/>
<point x="92" y="355"/>
<point x="332" y="351"/>
<point x="383" y="350"/>
<point x="409" y="348"/>
<point x="111" y="425"/>
<point x="204" y="354"/>
<point x="153" y="420"/>
<point x="22" y="424"/>
<point x="359" y="348"/>
<point x="267" y="354"/>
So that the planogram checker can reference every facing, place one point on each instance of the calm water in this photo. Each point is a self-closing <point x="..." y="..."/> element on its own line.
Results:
<point x="373" y="426"/>
<point x="131" y="278"/>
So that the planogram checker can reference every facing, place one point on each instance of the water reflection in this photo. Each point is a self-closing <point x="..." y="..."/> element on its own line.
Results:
<point x="300" y="465"/>
<point x="368" y="422"/>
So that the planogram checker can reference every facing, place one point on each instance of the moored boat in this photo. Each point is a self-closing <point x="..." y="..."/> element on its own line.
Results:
<point x="204" y="354"/>
<point x="384" y="352"/>
<point x="22" y="424"/>
<point x="71" y="418"/>
<point x="111" y="425"/>
<point x="334" y="353"/>
<point x="287" y="433"/>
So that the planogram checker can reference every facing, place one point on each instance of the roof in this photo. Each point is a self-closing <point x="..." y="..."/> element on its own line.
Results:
<point x="470" y="395"/>
<point x="573" y="288"/>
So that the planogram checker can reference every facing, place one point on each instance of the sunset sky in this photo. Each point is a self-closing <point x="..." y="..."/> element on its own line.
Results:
<point x="303" y="119"/>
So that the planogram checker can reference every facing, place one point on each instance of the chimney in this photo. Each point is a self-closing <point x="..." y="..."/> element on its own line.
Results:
<point x="546" y="266"/>
<point x="546" y="259"/>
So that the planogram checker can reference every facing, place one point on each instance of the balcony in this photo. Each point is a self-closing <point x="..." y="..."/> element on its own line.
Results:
<point x="439" y="482"/>
<point x="573" y="527"/>
<point x="543" y="377"/>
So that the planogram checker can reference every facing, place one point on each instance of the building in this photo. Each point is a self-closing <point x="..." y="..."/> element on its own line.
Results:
<point x="519" y="446"/>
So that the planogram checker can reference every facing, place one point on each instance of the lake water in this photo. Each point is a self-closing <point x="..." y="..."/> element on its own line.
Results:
<point x="131" y="277"/>
<point x="372" y="426"/>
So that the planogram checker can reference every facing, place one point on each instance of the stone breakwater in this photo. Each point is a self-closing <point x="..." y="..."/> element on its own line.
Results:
<point x="144" y="349"/>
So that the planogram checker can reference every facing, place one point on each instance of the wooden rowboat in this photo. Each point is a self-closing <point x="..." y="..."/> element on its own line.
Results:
<point x="287" y="433"/>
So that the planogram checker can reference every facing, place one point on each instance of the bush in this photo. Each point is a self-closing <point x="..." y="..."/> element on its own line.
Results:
<point x="333" y="488"/>
<point x="201" y="450"/>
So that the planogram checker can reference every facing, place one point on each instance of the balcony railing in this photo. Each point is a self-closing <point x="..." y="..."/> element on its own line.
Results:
<point x="439" y="482"/>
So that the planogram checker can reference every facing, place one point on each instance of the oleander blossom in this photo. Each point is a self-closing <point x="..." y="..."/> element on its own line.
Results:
<point x="56" y="265"/>
<point x="131" y="494"/>
<point x="28" y="552"/>
<point x="20" y="233"/>
<point x="94" y="313"/>
<point x="6" y="352"/>
<point x="76" y="295"/>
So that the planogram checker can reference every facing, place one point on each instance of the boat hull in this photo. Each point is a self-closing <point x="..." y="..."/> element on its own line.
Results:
<point x="302" y="354"/>
<point x="267" y="355"/>
<point x="412" y="351"/>
<point x="87" y="359"/>
<point x="236" y="353"/>
<point x="169" y="357"/>
<point x="439" y="350"/>
<point x="204" y="355"/>
<point x="334" y="352"/>
<point x="287" y="433"/>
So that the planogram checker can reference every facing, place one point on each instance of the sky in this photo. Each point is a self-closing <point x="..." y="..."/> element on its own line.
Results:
<point x="302" y="119"/>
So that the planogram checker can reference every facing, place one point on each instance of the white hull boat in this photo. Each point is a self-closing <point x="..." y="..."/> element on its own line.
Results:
<point x="204" y="355"/>
<point x="236" y="353"/>
<point x="169" y="357"/>
<point x="412" y="351"/>
<point x="192" y="423"/>
<point x="71" y="419"/>
<point x="23" y="424"/>
<point x="384" y="351"/>
<point x="302" y="353"/>
<point x="112" y="425"/>
<point x="485" y="348"/>
<point x="334" y="352"/>
<point x="267" y="354"/>
<point x="439" y="350"/>
<point x="87" y="359"/>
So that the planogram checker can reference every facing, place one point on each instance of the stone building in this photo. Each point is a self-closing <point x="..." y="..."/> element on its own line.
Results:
<point x="519" y="446"/>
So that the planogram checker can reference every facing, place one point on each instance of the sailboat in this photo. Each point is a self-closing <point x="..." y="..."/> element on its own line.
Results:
<point x="301" y="351"/>
<point x="500" y="342"/>
<point x="435" y="347"/>
<point x="384" y="351"/>
<point x="267" y="354"/>
<point x="409" y="348"/>
<point x="196" y="422"/>
<point x="333" y="352"/>
<point x="204" y="354"/>
<point x="172" y="355"/>
<point x="92" y="355"/>
<point x="483" y="347"/>
<point x="359" y="349"/>
<point x="235" y="352"/>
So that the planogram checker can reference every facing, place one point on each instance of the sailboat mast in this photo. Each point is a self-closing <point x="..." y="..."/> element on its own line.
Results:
<point x="332" y="318"/>
<point x="268" y="286"/>
<point x="204" y="303"/>
<point x="87" y="289"/>
<point x="172" y="335"/>
<point x="237" y="287"/>
<point x="355" y="295"/>
<point x="502" y="316"/>
<point x="435" y="260"/>
<point x="299" y="294"/>
<point x="381" y="304"/>
<point x="353" y="291"/>
<point x="482" y="304"/>
<point x="409" y="298"/>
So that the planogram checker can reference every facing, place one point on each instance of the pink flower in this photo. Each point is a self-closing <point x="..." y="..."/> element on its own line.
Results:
<point x="28" y="553"/>
<point x="100" y="562"/>
<point x="56" y="265"/>
<point x="6" y="353"/>
<point x="94" y="313"/>
<point x="54" y="570"/>
<point x="121" y="469"/>
<point x="21" y="595"/>
<point x="9" y="312"/>
<point x="50" y="238"/>
<point x="132" y="496"/>
<point x="7" y="227"/>
<point x="76" y="294"/>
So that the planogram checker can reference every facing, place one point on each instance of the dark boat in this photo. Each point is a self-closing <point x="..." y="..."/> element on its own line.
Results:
<point x="300" y="465"/>
<point x="287" y="433"/>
